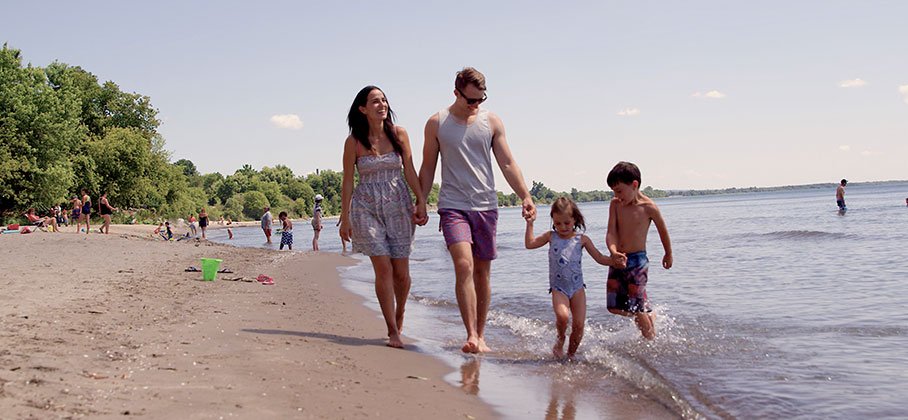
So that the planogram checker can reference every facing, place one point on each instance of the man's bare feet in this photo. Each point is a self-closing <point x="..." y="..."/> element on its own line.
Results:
<point x="471" y="346"/>
<point x="483" y="348"/>
<point x="558" y="348"/>
<point x="394" y="341"/>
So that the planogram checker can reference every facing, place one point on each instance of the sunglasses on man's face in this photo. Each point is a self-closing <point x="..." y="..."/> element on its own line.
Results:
<point x="471" y="101"/>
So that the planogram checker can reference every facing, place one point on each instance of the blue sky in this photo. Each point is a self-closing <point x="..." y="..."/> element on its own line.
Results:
<point x="700" y="94"/>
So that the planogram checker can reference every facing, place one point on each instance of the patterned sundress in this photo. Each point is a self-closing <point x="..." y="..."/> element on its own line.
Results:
<point x="381" y="212"/>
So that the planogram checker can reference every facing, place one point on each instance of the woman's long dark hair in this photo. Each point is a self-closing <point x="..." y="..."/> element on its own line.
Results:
<point x="359" y="125"/>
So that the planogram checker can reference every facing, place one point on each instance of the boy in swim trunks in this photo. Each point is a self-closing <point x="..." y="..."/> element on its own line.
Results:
<point x="286" y="231"/>
<point x="629" y="217"/>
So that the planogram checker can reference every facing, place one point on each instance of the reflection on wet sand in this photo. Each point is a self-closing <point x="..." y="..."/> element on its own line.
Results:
<point x="469" y="376"/>
<point x="561" y="395"/>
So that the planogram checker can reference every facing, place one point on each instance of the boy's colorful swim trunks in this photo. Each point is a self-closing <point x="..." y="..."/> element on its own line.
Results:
<point x="626" y="287"/>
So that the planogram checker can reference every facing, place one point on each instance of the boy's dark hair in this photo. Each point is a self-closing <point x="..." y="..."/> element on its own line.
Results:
<point x="844" y="181"/>
<point x="470" y="76"/>
<point x="623" y="172"/>
<point x="566" y="205"/>
<point x="282" y="214"/>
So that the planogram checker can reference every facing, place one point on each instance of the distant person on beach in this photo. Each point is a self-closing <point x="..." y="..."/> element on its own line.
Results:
<point x="192" y="224"/>
<point x="41" y="221"/>
<point x="316" y="221"/>
<point x="203" y="222"/>
<point x="467" y="137"/>
<point x="229" y="228"/>
<point x="286" y="231"/>
<point x="168" y="234"/>
<point x="629" y="217"/>
<point x="379" y="215"/>
<point x="906" y="201"/>
<point x="343" y="240"/>
<point x="566" y="245"/>
<point x="106" y="210"/>
<point x="86" y="210"/>
<point x="266" y="224"/>
<point x="77" y="213"/>
<point x="840" y="196"/>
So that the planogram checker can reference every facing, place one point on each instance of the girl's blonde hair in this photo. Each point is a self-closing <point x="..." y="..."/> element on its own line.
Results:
<point x="566" y="205"/>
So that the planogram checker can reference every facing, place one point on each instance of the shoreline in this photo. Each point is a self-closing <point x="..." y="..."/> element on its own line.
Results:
<point x="110" y="325"/>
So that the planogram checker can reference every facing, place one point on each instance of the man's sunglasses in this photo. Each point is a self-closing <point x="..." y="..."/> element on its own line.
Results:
<point x="472" y="101"/>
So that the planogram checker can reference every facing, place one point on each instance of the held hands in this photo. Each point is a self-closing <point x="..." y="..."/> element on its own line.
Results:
<point x="667" y="261"/>
<point x="619" y="259"/>
<point x="420" y="215"/>
<point x="529" y="209"/>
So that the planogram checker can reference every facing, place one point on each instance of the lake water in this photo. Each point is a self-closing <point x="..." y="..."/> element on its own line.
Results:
<point x="777" y="306"/>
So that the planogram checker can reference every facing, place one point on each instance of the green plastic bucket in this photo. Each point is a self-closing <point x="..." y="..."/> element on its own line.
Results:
<point x="210" y="268"/>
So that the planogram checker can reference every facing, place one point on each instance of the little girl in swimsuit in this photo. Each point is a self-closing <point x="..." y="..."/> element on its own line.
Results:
<point x="565" y="272"/>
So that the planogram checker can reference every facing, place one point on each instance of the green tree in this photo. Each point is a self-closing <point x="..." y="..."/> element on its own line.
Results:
<point x="39" y="130"/>
<point x="189" y="168"/>
<point x="253" y="203"/>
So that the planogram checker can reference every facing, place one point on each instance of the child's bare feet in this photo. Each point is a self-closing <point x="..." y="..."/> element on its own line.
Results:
<point x="558" y="348"/>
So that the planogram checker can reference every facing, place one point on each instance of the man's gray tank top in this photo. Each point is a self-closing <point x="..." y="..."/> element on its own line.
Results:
<point x="467" y="181"/>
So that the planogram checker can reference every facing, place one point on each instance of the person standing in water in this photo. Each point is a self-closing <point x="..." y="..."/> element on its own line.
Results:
<point x="266" y="224"/>
<point x="840" y="196"/>
<point x="316" y="221"/>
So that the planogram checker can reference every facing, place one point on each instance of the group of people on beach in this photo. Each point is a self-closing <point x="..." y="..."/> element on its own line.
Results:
<point x="287" y="225"/>
<point x="79" y="213"/>
<point x="380" y="217"/>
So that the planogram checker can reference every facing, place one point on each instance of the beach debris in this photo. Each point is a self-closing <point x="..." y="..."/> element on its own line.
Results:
<point x="225" y="271"/>
<point x="96" y="312"/>
<point x="243" y="279"/>
<point x="93" y="375"/>
<point x="417" y="377"/>
<point x="265" y="279"/>
<point x="192" y="269"/>
<point x="128" y="270"/>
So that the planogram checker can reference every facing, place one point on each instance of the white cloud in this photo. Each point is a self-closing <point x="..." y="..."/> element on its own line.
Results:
<point x="713" y="94"/>
<point x="629" y="112"/>
<point x="903" y="90"/>
<point x="852" y="83"/>
<point x="288" y="121"/>
<point x="844" y="147"/>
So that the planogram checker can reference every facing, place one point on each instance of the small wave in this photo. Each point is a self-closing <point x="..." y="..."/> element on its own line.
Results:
<point x="429" y="301"/>
<point x="806" y="235"/>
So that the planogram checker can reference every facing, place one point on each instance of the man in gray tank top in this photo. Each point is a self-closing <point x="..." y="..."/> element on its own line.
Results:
<point x="467" y="137"/>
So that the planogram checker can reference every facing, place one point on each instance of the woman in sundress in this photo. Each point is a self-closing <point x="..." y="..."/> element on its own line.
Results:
<point x="379" y="215"/>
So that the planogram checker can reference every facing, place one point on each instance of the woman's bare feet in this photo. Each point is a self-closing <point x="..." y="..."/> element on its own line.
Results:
<point x="395" y="341"/>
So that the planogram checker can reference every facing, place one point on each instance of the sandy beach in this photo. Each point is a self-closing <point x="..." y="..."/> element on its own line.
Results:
<point x="104" y="326"/>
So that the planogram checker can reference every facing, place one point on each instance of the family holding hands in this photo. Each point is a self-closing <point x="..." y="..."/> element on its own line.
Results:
<point x="379" y="215"/>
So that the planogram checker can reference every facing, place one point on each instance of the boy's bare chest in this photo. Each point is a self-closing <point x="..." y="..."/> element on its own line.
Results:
<point x="633" y="219"/>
